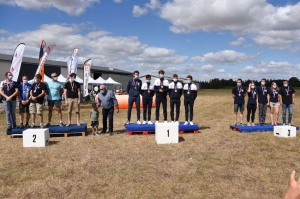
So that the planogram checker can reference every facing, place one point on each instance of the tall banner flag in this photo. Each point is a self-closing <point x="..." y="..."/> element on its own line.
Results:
<point x="42" y="46"/>
<point x="17" y="61"/>
<point x="86" y="74"/>
<point x="44" y="58"/>
<point x="72" y="62"/>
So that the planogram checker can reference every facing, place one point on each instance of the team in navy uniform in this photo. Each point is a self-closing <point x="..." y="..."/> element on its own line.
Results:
<point x="175" y="93"/>
<point x="238" y="94"/>
<point x="190" y="94"/>
<point x="147" y="93"/>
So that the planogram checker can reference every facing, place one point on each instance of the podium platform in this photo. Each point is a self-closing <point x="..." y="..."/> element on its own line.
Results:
<point x="54" y="130"/>
<point x="253" y="129"/>
<point x="147" y="129"/>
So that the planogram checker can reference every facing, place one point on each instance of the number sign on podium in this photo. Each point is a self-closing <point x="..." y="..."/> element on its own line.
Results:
<point x="166" y="133"/>
<point x="36" y="137"/>
<point x="285" y="131"/>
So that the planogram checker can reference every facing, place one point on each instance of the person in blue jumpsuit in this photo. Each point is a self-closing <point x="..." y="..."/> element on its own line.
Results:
<point x="161" y="89"/>
<point x="134" y="86"/>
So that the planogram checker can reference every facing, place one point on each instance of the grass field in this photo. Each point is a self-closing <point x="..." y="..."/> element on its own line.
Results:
<point x="216" y="163"/>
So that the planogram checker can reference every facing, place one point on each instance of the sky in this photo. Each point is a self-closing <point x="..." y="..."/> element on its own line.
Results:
<point x="230" y="39"/>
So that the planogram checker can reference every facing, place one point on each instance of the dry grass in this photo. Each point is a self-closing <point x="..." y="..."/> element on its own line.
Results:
<point x="217" y="163"/>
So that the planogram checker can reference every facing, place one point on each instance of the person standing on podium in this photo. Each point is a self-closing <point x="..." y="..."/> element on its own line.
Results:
<point x="161" y="89"/>
<point x="24" y="101"/>
<point x="262" y="93"/>
<point x="175" y="93"/>
<point x="273" y="103"/>
<point x="287" y="99"/>
<point x="238" y="94"/>
<point x="252" y="104"/>
<point x="134" y="86"/>
<point x="147" y="93"/>
<point x="190" y="94"/>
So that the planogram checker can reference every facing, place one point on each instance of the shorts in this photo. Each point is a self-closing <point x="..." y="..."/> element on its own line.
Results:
<point x="73" y="102"/>
<point x="239" y="106"/>
<point x="36" y="108"/>
<point x="94" y="123"/>
<point x="274" y="104"/>
<point x="23" y="108"/>
<point x="56" y="103"/>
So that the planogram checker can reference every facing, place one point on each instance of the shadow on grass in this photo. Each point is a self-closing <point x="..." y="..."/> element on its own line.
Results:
<point x="181" y="139"/>
<point x="53" y="142"/>
<point x="204" y="127"/>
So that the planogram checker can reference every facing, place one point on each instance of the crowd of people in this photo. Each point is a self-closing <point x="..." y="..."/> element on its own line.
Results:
<point x="262" y="97"/>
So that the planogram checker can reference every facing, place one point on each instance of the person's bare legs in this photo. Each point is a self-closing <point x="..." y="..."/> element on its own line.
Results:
<point x="33" y="115"/>
<point x="59" y="113"/>
<point x="69" y="119"/>
<point x="41" y="118"/>
<point x="241" y="117"/>
<point x="50" y="113"/>
<point x="78" y="118"/>
<point x="276" y="111"/>
<point x="21" y="115"/>
<point x="271" y="115"/>
<point x="27" y="117"/>
<point x="235" y="117"/>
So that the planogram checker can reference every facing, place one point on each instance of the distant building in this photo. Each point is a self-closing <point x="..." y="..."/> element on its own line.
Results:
<point x="29" y="66"/>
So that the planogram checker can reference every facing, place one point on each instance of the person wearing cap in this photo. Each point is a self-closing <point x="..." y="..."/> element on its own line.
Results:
<point x="9" y="90"/>
<point x="161" y="89"/>
<point x="238" y="94"/>
<point x="190" y="94"/>
<point x="175" y="93"/>
<point x="134" y="86"/>
<point x="24" y="101"/>
<point x="287" y="99"/>
<point x="72" y="97"/>
<point x="108" y="101"/>
<point x="262" y="101"/>
<point x="147" y="93"/>
<point x="54" y="90"/>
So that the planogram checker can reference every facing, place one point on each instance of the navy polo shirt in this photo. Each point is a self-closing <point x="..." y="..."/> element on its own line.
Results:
<point x="273" y="95"/>
<point x="134" y="87"/>
<point x="236" y="91"/>
<point x="262" y="93"/>
<point x="252" y="95"/>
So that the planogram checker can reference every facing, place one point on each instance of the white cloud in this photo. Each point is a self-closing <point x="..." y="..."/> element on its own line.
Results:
<point x="139" y="11"/>
<point x="118" y="1"/>
<point x="2" y="31"/>
<point x="126" y="53"/>
<point x="238" y="42"/>
<point x="72" y="7"/>
<point x="224" y="57"/>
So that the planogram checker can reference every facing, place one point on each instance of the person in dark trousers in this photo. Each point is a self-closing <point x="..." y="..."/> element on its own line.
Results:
<point x="147" y="93"/>
<point x="262" y="101"/>
<point x="252" y="104"/>
<point x="238" y="94"/>
<point x="107" y="100"/>
<point x="161" y="89"/>
<point x="287" y="99"/>
<point x="190" y="94"/>
<point x="9" y="90"/>
<point x="175" y="92"/>
<point x="134" y="91"/>
<point x="24" y="102"/>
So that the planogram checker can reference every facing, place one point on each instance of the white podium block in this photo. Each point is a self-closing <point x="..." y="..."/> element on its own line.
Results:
<point x="36" y="137"/>
<point x="166" y="133"/>
<point x="285" y="131"/>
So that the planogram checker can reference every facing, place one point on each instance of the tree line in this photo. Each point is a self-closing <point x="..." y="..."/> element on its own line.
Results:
<point x="224" y="83"/>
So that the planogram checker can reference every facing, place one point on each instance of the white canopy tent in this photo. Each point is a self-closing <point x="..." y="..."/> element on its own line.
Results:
<point x="61" y="78"/>
<point x="100" y="80"/>
<point x="111" y="81"/>
<point x="79" y="80"/>
<point x="46" y="79"/>
<point x="92" y="81"/>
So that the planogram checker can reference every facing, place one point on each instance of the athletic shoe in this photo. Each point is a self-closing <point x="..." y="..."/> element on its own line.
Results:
<point x="97" y="133"/>
<point x="149" y="122"/>
<point x="186" y="123"/>
<point x="128" y="122"/>
<point x="172" y="122"/>
<point x="138" y="122"/>
<point x="14" y="126"/>
<point x="156" y="122"/>
<point x="41" y="125"/>
<point x="253" y="124"/>
<point x="144" y="122"/>
<point x="176" y="122"/>
<point x="93" y="134"/>
<point x="241" y="124"/>
<point x="9" y="127"/>
<point x="21" y="126"/>
<point x="191" y="123"/>
<point x="289" y="124"/>
<point x="111" y="133"/>
<point x="283" y="124"/>
<point x="48" y="125"/>
<point x="32" y="126"/>
<point x="165" y="122"/>
<point x="27" y="125"/>
<point x="234" y="124"/>
<point x="61" y="124"/>
<point x="261" y="124"/>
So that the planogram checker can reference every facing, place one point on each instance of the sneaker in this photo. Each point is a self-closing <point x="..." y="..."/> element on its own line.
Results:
<point x="111" y="133"/>
<point x="241" y="124"/>
<point x="61" y="124"/>
<point x="14" y="126"/>
<point x="93" y="134"/>
<point x="156" y="122"/>
<point x="248" y="124"/>
<point x="41" y="125"/>
<point x="234" y="124"/>
<point x="21" y="126"/>
<point x="128" y="122"/>
<point x="27" y="125"/>
<point x="261" y="124"/>
<point x="48" y="124"/>
<point x="138" y="122"/>
<point x="9" y="127"/>
<point x="97" y="133"/>
<point x="149" y="122"/>
<point x="144" y="122"/>
<point x="32" y="126"/>
<point x="186" y="123"/>
<point x="165" y="122"/>
<point x="253" y="124"/>
<point x="176" y="122"/>
<point x="289" y="124"/>
<point x="191" y="123"/>
<point x="283" y="124"/>
<point x="172" y="122"/>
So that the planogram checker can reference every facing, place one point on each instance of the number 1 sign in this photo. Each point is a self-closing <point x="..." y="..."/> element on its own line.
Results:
<point x="166" y="133"/>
